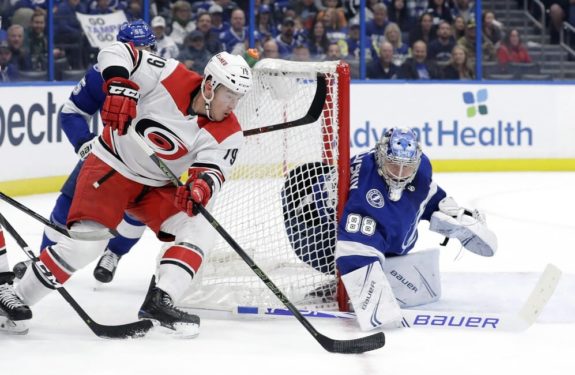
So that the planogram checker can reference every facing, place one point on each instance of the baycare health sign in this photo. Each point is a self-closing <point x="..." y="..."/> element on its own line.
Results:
<point x="469" y="121"/>
<point x="32" y="143"/>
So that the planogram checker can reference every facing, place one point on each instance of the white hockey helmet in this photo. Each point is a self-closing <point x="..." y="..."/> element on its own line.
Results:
<point x="229" y="70"/>
<point x="398" y="155"/>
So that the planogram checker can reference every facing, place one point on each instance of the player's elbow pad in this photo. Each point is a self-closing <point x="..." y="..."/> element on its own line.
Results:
<point x="468" y="226"/>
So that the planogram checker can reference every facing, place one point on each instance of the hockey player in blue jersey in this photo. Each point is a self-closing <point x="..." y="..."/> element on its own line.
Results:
<point x="391" y="191"/>
<point x="85" y="101"/>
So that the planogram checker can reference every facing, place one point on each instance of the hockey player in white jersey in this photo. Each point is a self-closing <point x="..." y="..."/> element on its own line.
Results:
<point x="188" y="121"/>
<point x="391" y="190"/>
<point x="13" y="312"/>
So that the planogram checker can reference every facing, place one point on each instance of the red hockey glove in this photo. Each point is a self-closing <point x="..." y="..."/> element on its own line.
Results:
<point x="120" y="105"/>
<point x="196" y="191"/>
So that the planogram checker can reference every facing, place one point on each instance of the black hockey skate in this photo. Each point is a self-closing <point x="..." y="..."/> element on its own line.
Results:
<point x="13" y="312"/>
<point x="106" y="267"/>
<point x="159" y="307"/>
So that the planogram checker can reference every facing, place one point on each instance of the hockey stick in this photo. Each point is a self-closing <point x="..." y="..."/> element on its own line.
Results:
<point x="416" y="318"/>
<point x="315" y="110"/>
<point x="97" y="235"/>
<point x="360" y="345"/>
<point x="130" y="330"/>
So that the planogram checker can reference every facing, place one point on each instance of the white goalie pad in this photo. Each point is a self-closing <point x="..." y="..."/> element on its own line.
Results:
<point x="371" y="296"/>
<point x="414" y="278"/>
<point x="467" y="226"/>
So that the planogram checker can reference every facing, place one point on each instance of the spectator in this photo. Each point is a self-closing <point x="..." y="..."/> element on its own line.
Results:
<point x="165" y="45"/>
<point x="20" y="56"/>
<point x="103" y="7"/>
<point x="333" y="52"/>
<point x="375" y="28"/>
<point x="161" y="8"/>
<point x="113" y="5"/>
<point x="285" y="40"/>
<point x="416" y="8"/>
<point x="417" y="67"/>
<point x="440" y="10"/>
<point x="512" y="49"/>
<point x="219" y="27"/>
<point x="182" y="23"/>
<point x="68" y="33"/>
<point x="211" y="38"/>
<point x="383" y="67"/>
<point x="37" y="43"/>
<point x="440" y="49"/>
<point x="270" y="50"/>
<point x="228" y="7"/>
<point x="194" y="54"/>
<point x="352" y="41"/>
<point x="318" y="42"/>
<point x="301" y="53"/>
<point x="468" y="42"/>
<point x="238" y="33"/>
<point x="459" y="27"/>
<point x="265" y="24"/>
<point x="397" y="12"/>
<point x="8" y="69"/>
<point x="400" y="49"/>
<point x="491" y="28"/>
<point x="556" y="18"/>
<point x="424" y="30"/>
<point x="334" y="29"/>
<point x="463" y="9"/>
<point x="134" y="11"/>
<point x="458" y="67"/>
<point x="307" y="12"/>
<point x="337" y="16"/>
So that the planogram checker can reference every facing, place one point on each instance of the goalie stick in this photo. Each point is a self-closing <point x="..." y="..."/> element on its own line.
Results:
<point x="416" y="318"/>
<point x="360" y="345"/>
<point x="97" y="235"/>
<point x="130" y="330"/>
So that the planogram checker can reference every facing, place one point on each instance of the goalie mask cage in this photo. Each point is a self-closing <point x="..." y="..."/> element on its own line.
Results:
<point x="287" y="188"/>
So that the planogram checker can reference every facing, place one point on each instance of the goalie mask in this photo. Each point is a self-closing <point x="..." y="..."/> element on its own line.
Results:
<point x="398" y="155"/>
<point x="229" y="71"/>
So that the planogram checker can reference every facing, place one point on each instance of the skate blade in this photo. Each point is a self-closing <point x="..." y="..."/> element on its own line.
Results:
<point x="177" y="330"/>
<point x="12" y="327"/>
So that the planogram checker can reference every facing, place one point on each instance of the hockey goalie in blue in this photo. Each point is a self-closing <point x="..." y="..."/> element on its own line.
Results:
<point x="391" y="191"/>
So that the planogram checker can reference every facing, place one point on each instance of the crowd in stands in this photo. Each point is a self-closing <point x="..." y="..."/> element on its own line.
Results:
<point x="408" y="39"/>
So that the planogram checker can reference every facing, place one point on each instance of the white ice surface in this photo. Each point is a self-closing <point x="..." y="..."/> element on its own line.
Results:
<point x="531" y="213"/>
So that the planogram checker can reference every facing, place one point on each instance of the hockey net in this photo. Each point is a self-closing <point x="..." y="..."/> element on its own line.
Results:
<point x="282" y="199"/>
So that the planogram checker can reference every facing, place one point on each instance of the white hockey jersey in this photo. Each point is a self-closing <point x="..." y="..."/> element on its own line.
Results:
<point x="181" y="140"/>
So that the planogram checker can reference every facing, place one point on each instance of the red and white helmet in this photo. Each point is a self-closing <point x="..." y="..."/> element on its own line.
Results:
<point x="231" y="71"/>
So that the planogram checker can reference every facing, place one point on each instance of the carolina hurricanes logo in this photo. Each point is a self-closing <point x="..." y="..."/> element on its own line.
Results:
<point x="165" y="143"/>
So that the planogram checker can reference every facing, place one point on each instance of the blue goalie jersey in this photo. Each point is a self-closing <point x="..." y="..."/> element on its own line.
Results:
<point x="372" y="225"/>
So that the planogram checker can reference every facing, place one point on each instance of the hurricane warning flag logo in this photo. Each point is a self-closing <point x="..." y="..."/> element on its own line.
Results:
<point x="476" y="103"/>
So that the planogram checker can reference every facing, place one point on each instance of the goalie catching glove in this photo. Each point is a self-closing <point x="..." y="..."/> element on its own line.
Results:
<point x="119" y="108"/>
<point x="197" y="190"/>
<point x="466" y="225"/>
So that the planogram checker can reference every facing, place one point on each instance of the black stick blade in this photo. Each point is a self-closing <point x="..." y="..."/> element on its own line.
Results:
<point x="124" y="331"/>
<point x="355" y="346"/>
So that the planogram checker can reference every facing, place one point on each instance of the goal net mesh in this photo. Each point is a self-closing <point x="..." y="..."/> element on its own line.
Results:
<point x="281" y="201"/>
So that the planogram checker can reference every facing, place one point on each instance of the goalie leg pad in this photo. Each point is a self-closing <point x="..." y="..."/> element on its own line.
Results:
<point x="371" y="296"/>
<point x="414" y="278"/>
